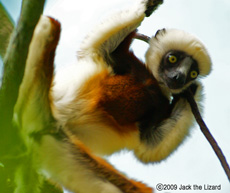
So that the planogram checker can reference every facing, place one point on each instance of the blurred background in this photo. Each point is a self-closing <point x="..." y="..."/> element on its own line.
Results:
<point x="194" y="163"/>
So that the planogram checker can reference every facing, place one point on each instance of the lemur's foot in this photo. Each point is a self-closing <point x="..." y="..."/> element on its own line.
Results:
<point x="152" y="5"/>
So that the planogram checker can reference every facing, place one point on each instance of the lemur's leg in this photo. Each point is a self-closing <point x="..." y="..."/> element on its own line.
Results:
<point x="158" y="142"/>
<point x="74" y="167"/>
<point x="69" y="164"/>
<point x="32" y="109"/>
<point x="107" y="36"/>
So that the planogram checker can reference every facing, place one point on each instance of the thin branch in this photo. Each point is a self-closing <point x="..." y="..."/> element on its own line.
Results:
<point x="206" y="132"/>
<point x="142" y="37"/>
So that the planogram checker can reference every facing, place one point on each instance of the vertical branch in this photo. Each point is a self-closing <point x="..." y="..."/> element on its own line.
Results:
<point x="11" y="145"/>
<point x="6" y="29"/>
<point x="14" y="64"/>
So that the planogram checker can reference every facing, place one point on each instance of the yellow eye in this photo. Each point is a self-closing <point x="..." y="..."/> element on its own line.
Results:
<point x="172" y="59"/>
<point x="193" y="74"/>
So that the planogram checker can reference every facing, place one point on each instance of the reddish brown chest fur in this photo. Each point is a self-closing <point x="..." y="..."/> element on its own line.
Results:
<point x="129" y="100"/>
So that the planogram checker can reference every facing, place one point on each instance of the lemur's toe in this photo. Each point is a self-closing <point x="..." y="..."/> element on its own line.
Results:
<point x="152" y="6"/>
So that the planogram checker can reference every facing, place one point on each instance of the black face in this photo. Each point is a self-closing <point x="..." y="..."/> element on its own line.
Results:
<point x="177" y="69"/>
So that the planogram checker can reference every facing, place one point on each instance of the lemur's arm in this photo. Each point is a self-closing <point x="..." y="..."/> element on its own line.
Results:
<point x="159" y="141"/>
<point x="105" y="38"/>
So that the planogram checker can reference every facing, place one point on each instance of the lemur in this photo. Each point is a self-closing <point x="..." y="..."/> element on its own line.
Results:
<point x="112" y="101"/>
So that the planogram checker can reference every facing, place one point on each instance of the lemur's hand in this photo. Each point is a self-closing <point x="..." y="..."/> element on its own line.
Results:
<point x="152" y="5"/>
<point x="180" y="100"/>
<point x="193" y="88"/>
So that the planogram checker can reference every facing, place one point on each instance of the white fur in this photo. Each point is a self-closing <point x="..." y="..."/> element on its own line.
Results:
<point x="67" y="82"/>
<point x="109" y="34"/>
